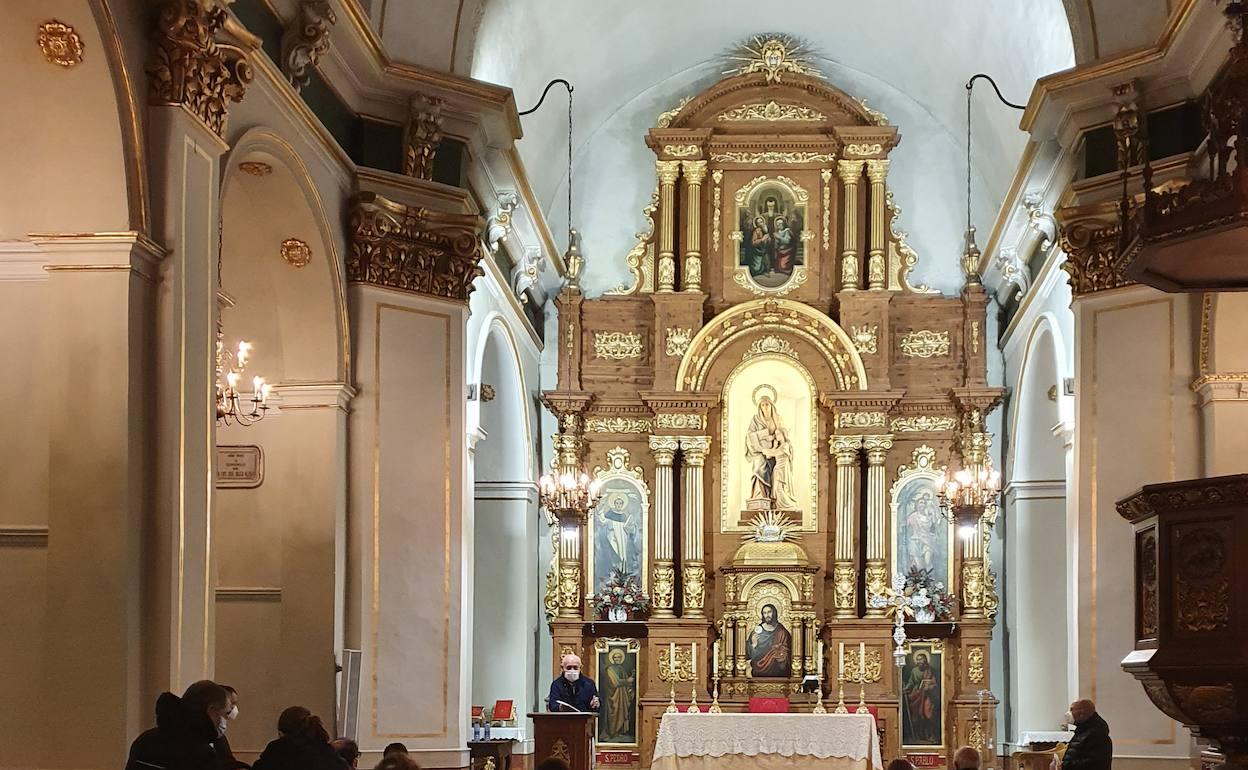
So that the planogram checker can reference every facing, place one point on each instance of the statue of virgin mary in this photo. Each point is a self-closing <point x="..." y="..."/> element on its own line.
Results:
<point x="770" y="453"/>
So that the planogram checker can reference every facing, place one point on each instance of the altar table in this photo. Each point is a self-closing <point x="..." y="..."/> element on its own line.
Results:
<point x="767" y="742"/>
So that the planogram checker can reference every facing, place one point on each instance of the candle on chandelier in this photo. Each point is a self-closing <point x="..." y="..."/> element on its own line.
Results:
<point x="244" y="352"/>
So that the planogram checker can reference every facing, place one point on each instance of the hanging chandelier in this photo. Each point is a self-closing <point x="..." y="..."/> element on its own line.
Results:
<point x="968" y="497"/>
<point x="569" y="494"/>
<point x="234" y="407"/>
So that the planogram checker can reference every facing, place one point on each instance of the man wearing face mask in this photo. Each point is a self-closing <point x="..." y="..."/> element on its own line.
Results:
<point x="571" y="691"/>
<point x="225" y="755"/>
<point x="185" y="730"/>
<point x="1091" y="747"/>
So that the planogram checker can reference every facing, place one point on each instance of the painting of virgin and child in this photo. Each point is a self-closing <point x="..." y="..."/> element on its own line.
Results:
<point x="771" y="237"/>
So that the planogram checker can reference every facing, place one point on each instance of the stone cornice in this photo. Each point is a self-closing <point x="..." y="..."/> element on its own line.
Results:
<point x="413" y="248"/>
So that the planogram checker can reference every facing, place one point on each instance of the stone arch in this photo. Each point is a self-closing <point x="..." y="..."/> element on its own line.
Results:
<point x="1033" y="447"/>
<point x="498" y="365"/>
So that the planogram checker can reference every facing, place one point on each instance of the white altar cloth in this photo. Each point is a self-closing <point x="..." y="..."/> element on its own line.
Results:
<point x="820" y="736"/>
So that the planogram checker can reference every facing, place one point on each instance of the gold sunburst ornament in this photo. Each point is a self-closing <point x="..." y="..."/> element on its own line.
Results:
<point x="771" y="527"/>
<point x="772" y="55"/>
<point x="61" y="45"/>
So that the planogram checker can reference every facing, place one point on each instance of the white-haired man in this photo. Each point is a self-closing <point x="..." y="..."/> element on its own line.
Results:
<point x="571" y="691"/>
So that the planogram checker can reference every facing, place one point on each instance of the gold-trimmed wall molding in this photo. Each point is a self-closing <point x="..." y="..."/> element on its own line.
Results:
<point x="21" y="535"/>
<point x="413" y="248"/>
<point x="249" y="593"/>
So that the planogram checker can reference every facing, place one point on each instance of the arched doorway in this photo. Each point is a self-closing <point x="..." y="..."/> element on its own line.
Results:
<point x="278" y="546"/>
<point x="1035" y="535"/>
<point x="505" y="530"/>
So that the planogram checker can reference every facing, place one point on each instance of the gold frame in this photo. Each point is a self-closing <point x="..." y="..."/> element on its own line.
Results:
<point x="618" y="469"/>
<point x="633" y="647"/>
<point x="923" y="468"/>
<point x="801" y="198"/>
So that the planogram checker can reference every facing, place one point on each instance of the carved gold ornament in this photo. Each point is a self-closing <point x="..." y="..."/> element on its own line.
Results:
<point x="878" y="118"/>
<point x="61" y="45"/>
<point x="865" y="338"/>
<point x="682" y="150"/>
<point x="680" y="421"/>
<point x="975" y="665"/>
<point x="665" y="118"/>
<point x="678" y="340"/>
<point x="975" y="735"/>
<point x="974" y="336"/>
<point x="640" y="259"/>
<point x="861" y="420"/>
<point x="923" y="423"/>
<point x="741" y="277"/>
<point x="826" y="176"/>
<point x="772" y="55"/>
<point x="188" y="66"/>
<point x="843" y="579"/>
<point x="618" y="425"/>
<point x="772" y="112"/>
<point x="874" y="665"/>
<point x="695" y="586"/>
<point x="569" y="589"/>
<point x="973" y="586"/>
<point x="296" y="252"/>
<point x="771" y="345"/>
<point x="863" y="150"/>
<point x="717" y="176"/>
<point x="255" y="168"/>
<point x="306" y="40"/>
<point x="487" y="393"/>
<point x="924" y="343"/>
<point x="412" y="248"/>
<point x="1092" y="254"/>
<point x="664" y="586"/>
<point x="684" y="664"/>
<point x="617" y="345"/>
<point x="559" y="749"/>
<point x="772" y="156"/>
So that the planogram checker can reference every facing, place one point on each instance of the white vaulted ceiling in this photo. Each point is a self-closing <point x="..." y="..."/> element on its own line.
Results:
<point x="631" y="60"/>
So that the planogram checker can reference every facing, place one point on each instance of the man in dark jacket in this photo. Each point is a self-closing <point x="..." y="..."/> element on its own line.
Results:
<point x="578" y="692"/>
<point x="1091" y="747"/>
<point x="185" y="730"/>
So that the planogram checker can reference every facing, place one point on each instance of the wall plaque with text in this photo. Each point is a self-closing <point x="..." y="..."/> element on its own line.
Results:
<point x="240" y="467"/>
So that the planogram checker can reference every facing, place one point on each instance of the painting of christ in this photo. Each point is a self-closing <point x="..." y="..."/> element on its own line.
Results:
<point x="770" y="645"/>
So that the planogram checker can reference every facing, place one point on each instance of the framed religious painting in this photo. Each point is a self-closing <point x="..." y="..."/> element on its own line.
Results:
<point x="617" y="673"/>
<point x="769" y="629"/>
<point x="618" y="524"/>
<point x="771" y="236"/>
<point x="923" y="696"/>
<point x="922" y="537"/>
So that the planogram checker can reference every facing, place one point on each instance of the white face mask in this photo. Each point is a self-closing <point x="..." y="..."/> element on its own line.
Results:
<point x="572" y="675"/>
<point x="233" y="713"/>
<point x="1068" y="718"/>
<point x="221" y="725"/>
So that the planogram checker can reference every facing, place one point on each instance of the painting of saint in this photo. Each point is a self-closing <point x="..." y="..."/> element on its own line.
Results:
<point x="617" y="683"/>
<point x="922" y="533"/>
<point x="618" y="533"/>
<point x="770" y="453"/>
<point x="921" y="697"/>
<point x="770" y="646"/>
<point x="771" y="235"/>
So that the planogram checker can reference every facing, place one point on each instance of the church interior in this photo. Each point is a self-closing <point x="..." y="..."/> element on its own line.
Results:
<point x="830" y="373"/>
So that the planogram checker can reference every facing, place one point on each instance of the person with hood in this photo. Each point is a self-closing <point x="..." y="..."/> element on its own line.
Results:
<point x="185" y="730"/>
<point x="302" y="744"/>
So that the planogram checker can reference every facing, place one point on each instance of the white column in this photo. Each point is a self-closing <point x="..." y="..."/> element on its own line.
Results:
<point x="877" y="520"/>
<point x="664" y="583"/>
<point x="693" y="562"/>
<point x="845" y="569"/>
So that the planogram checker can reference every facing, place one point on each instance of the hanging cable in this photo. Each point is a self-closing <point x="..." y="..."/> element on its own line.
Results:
<point x="535" y="108"/>
<point x="970" y="87"/>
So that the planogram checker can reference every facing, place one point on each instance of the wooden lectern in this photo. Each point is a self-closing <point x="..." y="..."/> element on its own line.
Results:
<point x="566" y="735"/>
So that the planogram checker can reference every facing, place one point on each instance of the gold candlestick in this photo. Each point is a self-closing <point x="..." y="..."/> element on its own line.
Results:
<point x="862" y="693"/>
<point x="671" y="703"/>
<point x="693" y="702"/>
<point x="819" y="709"/>
<point x="840" y="694"/>
<point x="715" y="709"/>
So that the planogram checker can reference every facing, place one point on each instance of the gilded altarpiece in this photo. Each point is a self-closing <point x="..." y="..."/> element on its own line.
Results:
<point x="784" y="398"/>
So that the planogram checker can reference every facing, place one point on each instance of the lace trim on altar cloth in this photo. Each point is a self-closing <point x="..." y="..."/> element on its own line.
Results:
<point x="815" y="735"/>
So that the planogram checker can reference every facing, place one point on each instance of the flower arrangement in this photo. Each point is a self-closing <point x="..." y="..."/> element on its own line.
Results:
<point x="927" y="596"/>
<point x="621" y="597"/>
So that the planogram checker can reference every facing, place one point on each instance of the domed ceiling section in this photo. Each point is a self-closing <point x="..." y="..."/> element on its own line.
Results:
<point x="631" y="63"/>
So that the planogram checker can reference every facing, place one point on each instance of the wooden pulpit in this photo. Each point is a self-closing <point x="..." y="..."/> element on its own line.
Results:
<point x="565" y="735"/>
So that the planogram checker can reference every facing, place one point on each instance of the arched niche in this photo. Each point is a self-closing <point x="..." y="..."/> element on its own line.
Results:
<point x="81" y="162"/>
<point x="1035" y="452"/>
<point x="619" y="524"/>
<point x="506" y="525"/>
<point x="277" y="545"/>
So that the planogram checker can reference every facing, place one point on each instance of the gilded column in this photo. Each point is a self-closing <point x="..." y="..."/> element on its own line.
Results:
<point x="877" y="279"/>
<point x="850" y="172"/>
<point x="664" y="582"/>
<point x="845" y="572"/>
<point x="877" y="522"/>
<point x="668" y="170"/>
<point x="974" y="444"/>
<point x="571" y="532"/>
<point x="695" y="172"/>
<point x="693" y="565"/>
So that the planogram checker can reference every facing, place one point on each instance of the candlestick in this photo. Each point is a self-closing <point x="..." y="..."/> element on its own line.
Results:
<point x="819" y="709"/>
<point x="840" y="696"/>
<point x="671" y="702"/>
<point x="693" y="702"/>
<point x="693" y="661"/>
<point x="715" y="709"/>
